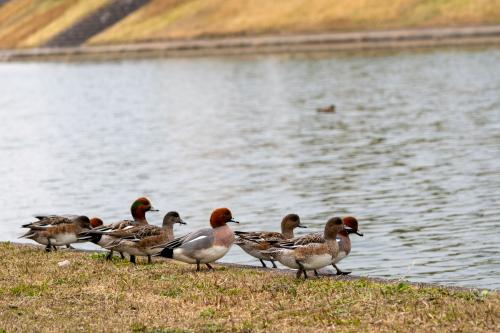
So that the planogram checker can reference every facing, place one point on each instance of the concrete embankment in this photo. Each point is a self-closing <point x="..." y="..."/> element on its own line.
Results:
<point x="397" y="39"/>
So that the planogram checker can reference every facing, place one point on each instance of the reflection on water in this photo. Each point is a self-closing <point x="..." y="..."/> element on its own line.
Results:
<point x="413" y="150"/>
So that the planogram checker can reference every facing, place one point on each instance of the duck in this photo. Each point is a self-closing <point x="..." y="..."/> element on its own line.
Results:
<point x="138" y="210"/>
<point x="203" y="246"/>
<point x="307" y="253"/>
<point x="140" y="240"/>
<point x="350" y="227"/>
<point x="57" y="230"/>
<point x="328" y="109"/>
<point x="255" y="242"/>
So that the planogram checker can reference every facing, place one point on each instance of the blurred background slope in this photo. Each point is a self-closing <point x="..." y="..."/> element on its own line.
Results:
<point x="33" y="23"/>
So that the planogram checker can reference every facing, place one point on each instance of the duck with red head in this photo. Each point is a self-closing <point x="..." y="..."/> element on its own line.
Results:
<point x="309" y="253"/>
<point x="203" y="246"/>
<point x="350" y="227"/>
<point x="100" y="235"/>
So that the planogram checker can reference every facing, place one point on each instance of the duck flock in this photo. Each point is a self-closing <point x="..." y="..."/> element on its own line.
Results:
<point x="136" y="237"/>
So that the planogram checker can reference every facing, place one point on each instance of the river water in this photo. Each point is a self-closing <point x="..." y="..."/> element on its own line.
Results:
<point x="413" y="150"/>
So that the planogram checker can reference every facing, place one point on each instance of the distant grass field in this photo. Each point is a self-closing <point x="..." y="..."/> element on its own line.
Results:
<point x="93" y="295"/>
<point x="28" y="23"/>
<point x="181" y="19"/>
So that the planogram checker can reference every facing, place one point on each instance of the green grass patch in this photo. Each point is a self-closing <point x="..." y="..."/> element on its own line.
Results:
<point x="168" y="296"/>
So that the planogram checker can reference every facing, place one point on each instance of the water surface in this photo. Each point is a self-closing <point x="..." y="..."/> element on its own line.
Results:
<point x="413" y="151"/>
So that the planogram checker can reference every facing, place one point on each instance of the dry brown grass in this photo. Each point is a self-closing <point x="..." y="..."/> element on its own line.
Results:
<point x="180" y="19"/>
<point x="28" y="23"/>
<point x="94" y="295"/>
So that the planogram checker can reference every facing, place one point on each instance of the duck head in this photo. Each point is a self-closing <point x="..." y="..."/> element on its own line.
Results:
<point x="83" y="221"/>
<point x="351" y="226"/>
<point x="290" y="222"/>
<point x="220" y="217"/>
<point x="140" y="207"/>
<point x="333" y="227"/>
<point x="172" y="218"/>
<point x="96" y="222"/>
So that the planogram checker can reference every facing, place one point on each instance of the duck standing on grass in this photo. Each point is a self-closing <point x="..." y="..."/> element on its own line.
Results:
<point x="140" y="240"/>
<point x="307" y="253"/>
<point x="255" y="242"/>
<point x="57" y="230"/>
<point x="99" y="235"/>
<point x="203" y="246"/>
<point x="350" y="227"/>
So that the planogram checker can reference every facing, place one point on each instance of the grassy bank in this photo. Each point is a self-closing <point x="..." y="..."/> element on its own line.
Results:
<point x="93" y="295"/>
<point x="183" y="19"/>
<point x="31" y="23"/>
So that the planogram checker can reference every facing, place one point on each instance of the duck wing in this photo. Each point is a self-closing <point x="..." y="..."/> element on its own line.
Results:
<point x="50" y="220"/>
<point x="300" y="241"/>
<point x="199" y="239"/>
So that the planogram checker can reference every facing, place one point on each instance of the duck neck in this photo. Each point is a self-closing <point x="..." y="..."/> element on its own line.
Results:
<point x="331" y="235"/>
<point x="168" y="229"/>
<point x="345" y="242"/>
<point x="224" y="235"/>
<point x="286" y="232"/>
<point x="139" y="215"/>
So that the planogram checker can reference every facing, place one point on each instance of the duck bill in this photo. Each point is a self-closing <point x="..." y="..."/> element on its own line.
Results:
<point x="152" y="209"/>
<point x="181" y="221"/>
<point x="352" y="231"/>
<point x="233" y="220"/>
<point x="302" y="226"/>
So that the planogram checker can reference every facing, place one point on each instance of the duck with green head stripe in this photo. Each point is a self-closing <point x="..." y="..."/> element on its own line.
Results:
<point x="101" y="235"/>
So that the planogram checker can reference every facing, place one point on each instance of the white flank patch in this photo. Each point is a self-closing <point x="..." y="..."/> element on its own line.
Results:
<point x="63" y="239"/>
<point x="317" y="261"/>
<point x="197" y="238"/>
<point x="204" y="256"/>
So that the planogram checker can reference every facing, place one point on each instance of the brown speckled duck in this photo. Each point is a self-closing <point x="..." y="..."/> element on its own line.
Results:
<point x="254" y="242"/>
<point x="307" y="253"/>
<point x="57" y="230"/>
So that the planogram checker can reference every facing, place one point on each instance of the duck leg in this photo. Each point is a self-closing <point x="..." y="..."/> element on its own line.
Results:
<point x="149" y="259"/>
<point x="316" y="273"/>
<point x="132" y="260"/>
<point x="274" y="265"/>
<point x="121" y="255"/>
<point x="48" y="248"/>
<point x="210" y="267"/>
<point x="197" y="265"/>
<point x="109" y="256"/>
<point x="339" y="272"/>
<point x="54" y="247"/>
<point x="301" y="269"/>
<point x="263" y="263"/>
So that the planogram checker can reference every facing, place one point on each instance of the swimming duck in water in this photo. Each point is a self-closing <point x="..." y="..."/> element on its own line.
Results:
<point x="328" y="109"/>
